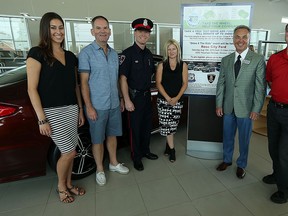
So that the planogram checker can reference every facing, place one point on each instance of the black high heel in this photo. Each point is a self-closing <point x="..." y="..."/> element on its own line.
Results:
<point x="172" y="156"/>
<point x="167" y="150"/>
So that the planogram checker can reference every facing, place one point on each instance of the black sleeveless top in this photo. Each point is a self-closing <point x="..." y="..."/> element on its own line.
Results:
<point x="171" y="79"/>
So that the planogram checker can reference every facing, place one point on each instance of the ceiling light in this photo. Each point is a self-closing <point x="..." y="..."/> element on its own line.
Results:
<point x="88" y="19"/>
<point x="284" y="20"/>
<point x="25" y="14"/>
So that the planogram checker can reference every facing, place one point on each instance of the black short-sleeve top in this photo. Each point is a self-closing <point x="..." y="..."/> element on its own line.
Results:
<point x="57" y="82"/>
<point x="138" y="66"/>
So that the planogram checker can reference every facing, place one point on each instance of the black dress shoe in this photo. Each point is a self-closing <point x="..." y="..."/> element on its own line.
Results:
<point x="138" y="165"/>
<point x="223" y="166"/>
<point x="151" y="156"/>
<point x="240" y="173"/>
<point x="278" y="197"/>
<point x="269" y="179"/>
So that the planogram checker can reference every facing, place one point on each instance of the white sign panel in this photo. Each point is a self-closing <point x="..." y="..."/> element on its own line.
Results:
<point x="207" y="36"/>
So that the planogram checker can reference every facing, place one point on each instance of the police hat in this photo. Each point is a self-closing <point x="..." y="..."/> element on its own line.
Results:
<point x="142" y="24"/>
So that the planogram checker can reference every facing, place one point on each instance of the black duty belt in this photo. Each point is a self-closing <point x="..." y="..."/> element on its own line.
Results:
<point x="134" y="92"/>
<point x="279" y="105"/>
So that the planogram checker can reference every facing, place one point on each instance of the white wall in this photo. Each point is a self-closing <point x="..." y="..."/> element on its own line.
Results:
<point x="267" y="14"/>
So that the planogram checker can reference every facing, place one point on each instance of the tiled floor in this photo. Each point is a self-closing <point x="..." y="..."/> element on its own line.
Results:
<point x="188" y="187"/>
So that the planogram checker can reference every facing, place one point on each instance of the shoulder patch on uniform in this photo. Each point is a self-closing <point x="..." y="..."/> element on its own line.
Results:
<point x="121" y="59"/>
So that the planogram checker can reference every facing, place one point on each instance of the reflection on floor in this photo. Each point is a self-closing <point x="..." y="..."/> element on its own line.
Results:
<point x="190" y="186"/>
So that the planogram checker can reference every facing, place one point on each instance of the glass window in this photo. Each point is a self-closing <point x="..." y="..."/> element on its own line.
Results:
<point x="78" y="35"/>
<point x="123" y="36"/>
<point x="6" y="40"/>
<point x="20" y="34"/>
<point x="267" y="48"/>
<point x="14" y="42"/>
<point x="167" y="32"/>
<point x="258" y="35"/>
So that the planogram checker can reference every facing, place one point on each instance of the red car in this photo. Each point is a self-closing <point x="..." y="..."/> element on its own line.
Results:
<point x="23" y="150"/>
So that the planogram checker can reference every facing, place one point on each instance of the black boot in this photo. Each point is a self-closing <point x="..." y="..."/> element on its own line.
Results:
<point x="167" y="150"/>
<point x="172" y="156"/>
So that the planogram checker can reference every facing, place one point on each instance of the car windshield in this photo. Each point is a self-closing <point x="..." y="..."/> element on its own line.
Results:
<point x="13" y="76"/>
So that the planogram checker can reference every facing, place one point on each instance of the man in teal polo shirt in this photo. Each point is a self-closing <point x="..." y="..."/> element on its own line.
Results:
<point x="98" y="68"/>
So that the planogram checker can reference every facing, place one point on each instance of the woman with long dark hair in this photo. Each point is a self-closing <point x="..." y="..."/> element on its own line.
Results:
<point x="56" y="99"/>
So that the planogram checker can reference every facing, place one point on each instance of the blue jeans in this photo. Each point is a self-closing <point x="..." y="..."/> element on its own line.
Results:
<point x="244" y="125"/>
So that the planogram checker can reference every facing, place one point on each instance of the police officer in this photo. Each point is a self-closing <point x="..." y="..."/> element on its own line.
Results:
<point x="136" y="69"/>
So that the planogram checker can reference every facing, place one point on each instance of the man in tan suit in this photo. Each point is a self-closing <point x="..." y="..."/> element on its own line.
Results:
<point x="240" y="95"/>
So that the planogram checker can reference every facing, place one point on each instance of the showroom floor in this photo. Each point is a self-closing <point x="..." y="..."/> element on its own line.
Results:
<point x="188" y="187"/>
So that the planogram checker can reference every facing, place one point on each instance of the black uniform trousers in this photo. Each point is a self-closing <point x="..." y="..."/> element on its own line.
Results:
<point x="277" y="124"/>
<point x="140" y="125"/>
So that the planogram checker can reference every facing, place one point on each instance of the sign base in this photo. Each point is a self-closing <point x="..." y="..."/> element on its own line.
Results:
<point x="205" y="150"/>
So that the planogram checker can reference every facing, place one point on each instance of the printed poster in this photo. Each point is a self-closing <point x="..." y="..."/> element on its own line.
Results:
<point x="207" y="36"/>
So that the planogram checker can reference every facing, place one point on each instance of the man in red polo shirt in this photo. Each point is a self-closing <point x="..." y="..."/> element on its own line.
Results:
<point x="277" y="122"/>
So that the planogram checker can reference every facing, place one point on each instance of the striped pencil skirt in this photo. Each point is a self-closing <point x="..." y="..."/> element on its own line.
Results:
<point x="64" y="124"/>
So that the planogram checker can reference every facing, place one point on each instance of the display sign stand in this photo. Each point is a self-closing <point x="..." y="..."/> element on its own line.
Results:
<point x="206" y="37"/>
<point x="205" y="129"/>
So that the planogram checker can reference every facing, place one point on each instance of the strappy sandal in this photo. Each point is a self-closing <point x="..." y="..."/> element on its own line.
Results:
<point x="67" y="198"/>
<point x="78" y="191"/>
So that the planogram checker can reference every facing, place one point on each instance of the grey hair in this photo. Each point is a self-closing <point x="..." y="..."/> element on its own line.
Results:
<point x="242" y="27"/>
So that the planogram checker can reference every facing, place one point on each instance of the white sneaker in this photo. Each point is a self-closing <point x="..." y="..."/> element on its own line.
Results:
<point x="120" y="168"/>
<point x="100" y="178"/>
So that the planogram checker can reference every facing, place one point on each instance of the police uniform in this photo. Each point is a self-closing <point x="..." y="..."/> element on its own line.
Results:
<point x="137" y="66"/>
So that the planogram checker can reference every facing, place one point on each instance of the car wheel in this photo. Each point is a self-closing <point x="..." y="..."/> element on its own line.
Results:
<point x="84" y="163"/>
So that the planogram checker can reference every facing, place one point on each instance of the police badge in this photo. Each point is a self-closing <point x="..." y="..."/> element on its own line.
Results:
<point x="121" y="59"/>
<point x="211" y="78"/>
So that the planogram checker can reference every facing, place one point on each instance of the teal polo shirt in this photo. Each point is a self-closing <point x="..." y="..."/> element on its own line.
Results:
<point x="103" y="75"/>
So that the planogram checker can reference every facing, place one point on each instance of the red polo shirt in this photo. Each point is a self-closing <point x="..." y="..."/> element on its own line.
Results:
<point x="277" y="73"/>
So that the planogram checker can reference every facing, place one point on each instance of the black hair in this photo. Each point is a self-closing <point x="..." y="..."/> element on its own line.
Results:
<point x="45" y="42"/>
